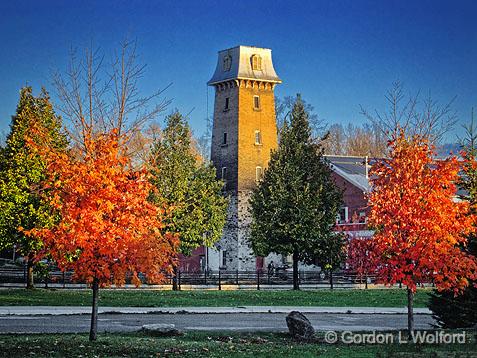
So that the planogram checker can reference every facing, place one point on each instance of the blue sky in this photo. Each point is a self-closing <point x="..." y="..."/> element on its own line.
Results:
<point x="338" y="54"/>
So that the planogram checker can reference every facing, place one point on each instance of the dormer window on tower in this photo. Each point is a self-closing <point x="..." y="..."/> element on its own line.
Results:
<point x="256" y="63"/>
<point x="227" y="64"/>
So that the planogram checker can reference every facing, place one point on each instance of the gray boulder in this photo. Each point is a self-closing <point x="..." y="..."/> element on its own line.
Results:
<point x="299" y="326"/>
<point x="161" y="330"/>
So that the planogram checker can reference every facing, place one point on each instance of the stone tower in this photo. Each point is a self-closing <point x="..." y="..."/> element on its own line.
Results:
<point x="244" y="133"/>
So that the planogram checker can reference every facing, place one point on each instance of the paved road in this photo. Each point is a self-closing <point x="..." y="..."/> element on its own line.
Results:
<point x="216" y="321"/>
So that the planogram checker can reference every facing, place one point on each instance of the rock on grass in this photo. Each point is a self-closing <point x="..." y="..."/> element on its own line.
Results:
<point x="161" y="330"/>
<point x="299" y="326"/>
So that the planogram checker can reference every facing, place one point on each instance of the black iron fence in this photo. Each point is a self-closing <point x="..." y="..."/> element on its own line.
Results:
<point x="52" y="276"/>
<point x="262" y="278"/>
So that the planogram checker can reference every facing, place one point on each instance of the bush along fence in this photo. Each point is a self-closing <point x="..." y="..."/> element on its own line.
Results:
<point x="51" y="276"/>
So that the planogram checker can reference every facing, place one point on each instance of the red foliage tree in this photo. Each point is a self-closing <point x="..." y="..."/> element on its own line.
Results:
<point x="107" y="227"/>
<point x="360" y="257"/>
<point x="420" y="227"/>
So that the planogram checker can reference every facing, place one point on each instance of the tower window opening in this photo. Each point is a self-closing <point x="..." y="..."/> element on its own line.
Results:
<point x="256" y="63"/>
<point x="227" y="100"/>
<point x="258" y="173"/>
<point x="258" y="137"/>
<point x="224" y="142"/>
<point x="256" y="102"/>
<point x="224" y="173"/>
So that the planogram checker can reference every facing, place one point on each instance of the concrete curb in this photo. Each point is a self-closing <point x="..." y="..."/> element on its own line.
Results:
<point x="65" y="310"/>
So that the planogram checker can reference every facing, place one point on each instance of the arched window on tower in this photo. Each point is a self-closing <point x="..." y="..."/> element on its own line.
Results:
<point x="256" y="63"/>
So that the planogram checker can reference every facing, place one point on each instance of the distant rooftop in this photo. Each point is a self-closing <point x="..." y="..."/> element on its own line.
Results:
<point x="244" y="62"/>
<point x="353" y="169"/>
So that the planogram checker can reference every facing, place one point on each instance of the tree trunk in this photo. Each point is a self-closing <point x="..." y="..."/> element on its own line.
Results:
<point x="30" y="264"/>
<point x="175" y="287"/>
<point x="94" y="313"/>
<point x="331" y="279"/>
<point x="410" y="312"/>
<point x="296" y="284"/>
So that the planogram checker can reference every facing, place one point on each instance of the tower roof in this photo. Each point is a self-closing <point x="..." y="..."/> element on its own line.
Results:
<point x="239" y="62"/>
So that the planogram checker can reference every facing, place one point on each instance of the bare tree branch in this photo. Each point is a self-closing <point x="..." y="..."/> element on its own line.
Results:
<point x="365" y="140"/>
<point x="428" y="119"/>
<point x="95" y="100"/>
<point x="283" y="107"/>
<point x="469" y="141"/>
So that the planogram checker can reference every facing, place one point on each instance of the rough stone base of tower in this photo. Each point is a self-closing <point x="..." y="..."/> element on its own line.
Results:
<point x="238" y="254"/>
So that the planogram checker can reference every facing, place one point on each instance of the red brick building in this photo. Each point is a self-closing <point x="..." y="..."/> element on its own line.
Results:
<point x="351" y="176"/>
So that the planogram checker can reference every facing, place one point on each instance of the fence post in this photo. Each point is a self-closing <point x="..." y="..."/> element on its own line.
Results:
<point x="331" y="279"/>
<point x="179" y="280"/>
<point x="236" y="277"/>
<point x="25" y="274"/>
<point x="205" y="277"/>
<point x="258" y="280"/>
<point x="220" y="284"/>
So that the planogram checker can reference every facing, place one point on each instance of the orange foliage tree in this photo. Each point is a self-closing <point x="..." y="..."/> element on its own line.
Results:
<point x="107" y="228"/>
<point x="420" y="226"/>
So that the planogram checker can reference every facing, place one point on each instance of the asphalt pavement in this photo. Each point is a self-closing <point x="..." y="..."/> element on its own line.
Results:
<point x="248" y="319"/>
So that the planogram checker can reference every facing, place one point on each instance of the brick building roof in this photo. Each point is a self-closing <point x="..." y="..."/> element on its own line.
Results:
<point x="353" y="169"/>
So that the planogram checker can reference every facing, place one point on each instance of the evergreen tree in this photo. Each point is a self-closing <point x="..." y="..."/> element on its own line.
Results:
<point x="294" y="207"/>
<point x="188" y="185"/>
<point x="460" y="311"/>
<point x="22" y="172"/>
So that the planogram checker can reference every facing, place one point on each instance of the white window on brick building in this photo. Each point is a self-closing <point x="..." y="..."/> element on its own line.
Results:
<point x="258" y="173"/>
<point x="256" y="102"/>
<point x="362" y="216"/>
<point x="342" y="216"/>
<point x="258" y="137"/>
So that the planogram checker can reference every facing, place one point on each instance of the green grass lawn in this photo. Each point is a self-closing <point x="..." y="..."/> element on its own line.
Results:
<point x="208" y="344"/>
<point x="157" y="298"/>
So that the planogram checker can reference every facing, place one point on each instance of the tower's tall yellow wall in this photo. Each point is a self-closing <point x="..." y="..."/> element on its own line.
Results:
<point x="251" y="155"/>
